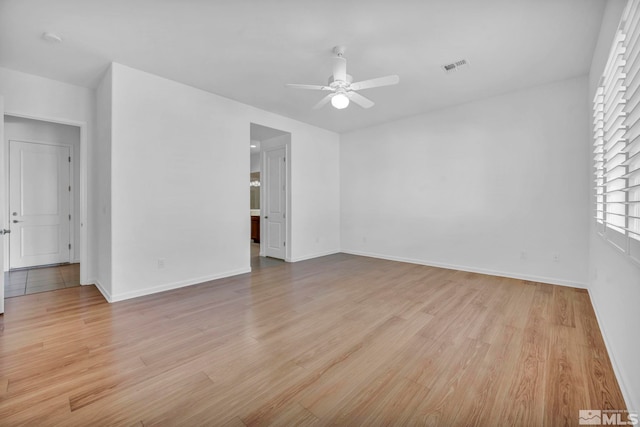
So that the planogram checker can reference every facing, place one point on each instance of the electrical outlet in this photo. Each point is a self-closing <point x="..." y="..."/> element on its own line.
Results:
<point x="523" y="254"/>
<point x="160" y="263"/>
<point x="364" y="239"/>
<point x="556" y="257"/>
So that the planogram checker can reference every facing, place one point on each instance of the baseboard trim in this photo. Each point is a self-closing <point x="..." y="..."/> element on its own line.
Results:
<point x="532" y="278"/>
<point x="317" y="255"/>
<point x="102" y="290"/>
<point x="628" y="400"/>
<point x="176" y="285"/>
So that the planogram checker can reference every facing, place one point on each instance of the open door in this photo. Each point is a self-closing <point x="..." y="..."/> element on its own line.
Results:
<point x="2" y="206"/>
<point x="275" y="202"/>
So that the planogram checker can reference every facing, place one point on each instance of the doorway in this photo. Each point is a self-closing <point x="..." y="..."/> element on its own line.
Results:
<point x="39" y="204"/>
<point x="269" y="149"/>
<point x="42" y="200"/>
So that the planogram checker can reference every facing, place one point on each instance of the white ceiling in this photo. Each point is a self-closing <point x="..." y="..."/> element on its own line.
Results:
<point x="248" y="49"/>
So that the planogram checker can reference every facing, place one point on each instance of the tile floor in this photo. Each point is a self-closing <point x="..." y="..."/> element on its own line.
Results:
<point x="258" y="261"/>
<point x="41" y="279"/>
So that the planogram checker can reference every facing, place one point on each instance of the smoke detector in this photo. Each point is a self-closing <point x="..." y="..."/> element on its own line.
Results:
<point x="450" y="68"/>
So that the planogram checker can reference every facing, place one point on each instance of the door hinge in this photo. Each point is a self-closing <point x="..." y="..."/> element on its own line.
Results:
<point x="69" y="159"/>
<point x="69" y="188"/>
<point x="69" y="217"/>
<point x="284" y="243"/>
<point x="69" y="246"/>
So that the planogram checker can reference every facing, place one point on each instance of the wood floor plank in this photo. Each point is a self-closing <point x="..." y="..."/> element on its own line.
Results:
<point x="4" y="386"/>
<point x="159" y="396"/>
<point x="566" y="389"/>
<point x="383" y="402"/>
<point x="527" y="388"/>
<point x="563" y="313"/>
<point x="475" y="405"/>
<point x="41" y="414"/>
<point x="448" y="385"/>
<point x="329" y="385"/>
<point x="342" y="339"/>
<point x="356" y="408"/>
<point x="294" y="414"/>
<point x="232" y="397"/>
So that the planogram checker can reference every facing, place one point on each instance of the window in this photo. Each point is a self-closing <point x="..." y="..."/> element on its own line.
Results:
<point x="616" y="127"/>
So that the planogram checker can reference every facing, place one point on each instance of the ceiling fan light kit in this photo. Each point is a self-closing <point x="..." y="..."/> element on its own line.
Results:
<point x="340" y="101"/>
<point x="343" y="91"/>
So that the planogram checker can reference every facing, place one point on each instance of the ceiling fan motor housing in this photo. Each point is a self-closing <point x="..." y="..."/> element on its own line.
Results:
<point x="338" y="83"/>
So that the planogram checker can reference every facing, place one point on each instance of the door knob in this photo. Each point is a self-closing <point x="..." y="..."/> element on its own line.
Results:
<point x="266" y="217"/>
<point x="15" y="220"/>
<point x="2" y="232"/>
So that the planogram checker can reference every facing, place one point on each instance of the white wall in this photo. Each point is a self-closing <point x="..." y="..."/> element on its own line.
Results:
<point x="103" y="183"/>
<point x="614" y="281"/>
<point x="471" y="187"/>
<point x="179" y="193"/>
<point x="26" y="94"/>
<point x="21" y="129"/>
<point x="36" y="97"/>
<point x="255" y="162"/>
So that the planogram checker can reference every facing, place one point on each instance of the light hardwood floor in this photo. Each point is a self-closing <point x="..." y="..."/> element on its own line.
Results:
<point x="340" y="340"/>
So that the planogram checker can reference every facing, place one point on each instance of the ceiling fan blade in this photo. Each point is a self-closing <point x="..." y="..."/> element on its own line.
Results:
<point x="311" y="87"/>
<point x="324" y="101"/>
<point x="360" y="100"/>
<point x="340" y="69"/>
<point x="380" y="81"/>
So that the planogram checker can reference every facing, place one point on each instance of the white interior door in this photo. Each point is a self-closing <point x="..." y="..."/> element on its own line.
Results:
<point x="276" y="203"/>
<point x="39" y="204"/>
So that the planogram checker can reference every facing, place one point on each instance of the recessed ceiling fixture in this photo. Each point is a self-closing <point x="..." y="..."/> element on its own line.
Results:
<point x="253" y="146"/>
<point x="52" y="37"/>
<point x="341" y="87"/>
<point x="450" y="68"/>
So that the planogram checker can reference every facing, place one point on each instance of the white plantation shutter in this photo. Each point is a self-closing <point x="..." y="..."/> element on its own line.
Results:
<point x="616" y="134"/>
<point x="598" y="152"/>
<point x="631" y="27"/>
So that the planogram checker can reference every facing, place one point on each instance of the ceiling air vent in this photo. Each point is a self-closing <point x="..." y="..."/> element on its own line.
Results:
<point x="450" y="68"/>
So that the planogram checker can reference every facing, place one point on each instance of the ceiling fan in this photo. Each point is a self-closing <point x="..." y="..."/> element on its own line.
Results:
<point x="341" y="85"/>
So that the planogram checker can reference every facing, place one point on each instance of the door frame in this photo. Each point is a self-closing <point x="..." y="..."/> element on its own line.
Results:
<point x="263" y="186"/>
<point x="83" y="250"/>
<point x="72" y="197"/>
